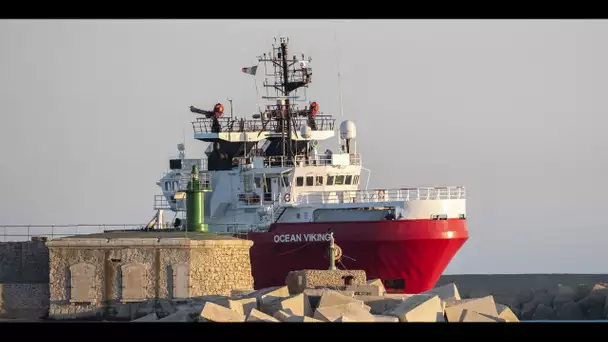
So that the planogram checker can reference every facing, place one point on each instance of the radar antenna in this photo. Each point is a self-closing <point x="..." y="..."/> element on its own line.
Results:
<point x="289" y="74"/>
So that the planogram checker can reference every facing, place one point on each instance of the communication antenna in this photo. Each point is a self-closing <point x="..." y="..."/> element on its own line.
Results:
<point x="338" y="64"/>
<point x="230" y="100"/>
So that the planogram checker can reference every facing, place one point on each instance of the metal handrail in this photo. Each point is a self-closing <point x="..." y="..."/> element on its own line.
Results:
<point x="19" y="233"/>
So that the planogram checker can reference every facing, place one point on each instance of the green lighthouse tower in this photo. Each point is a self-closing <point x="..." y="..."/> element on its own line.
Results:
<point x="195" y="209"/>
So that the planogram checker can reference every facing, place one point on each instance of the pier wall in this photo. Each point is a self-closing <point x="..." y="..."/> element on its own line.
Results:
<point x="24" y="279"/>
<point x="29" y="301"/>
<point x="122" y="274"/>
<point x="24" y="262"/>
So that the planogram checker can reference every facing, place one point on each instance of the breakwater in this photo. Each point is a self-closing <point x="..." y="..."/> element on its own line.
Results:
<point x="24" y="288"/>
<point x="540" y="296"/>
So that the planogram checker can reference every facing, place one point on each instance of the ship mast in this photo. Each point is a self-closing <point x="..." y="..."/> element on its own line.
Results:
<point x="289" y="75"/>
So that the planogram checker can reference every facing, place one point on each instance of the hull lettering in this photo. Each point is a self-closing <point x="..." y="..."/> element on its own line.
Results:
<point x="288" y="238"/>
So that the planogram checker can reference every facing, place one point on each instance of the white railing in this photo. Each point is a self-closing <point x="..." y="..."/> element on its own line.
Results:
<point x="382" y="195"/>
<point x="26" y="232"/>
<point x="204" y="180"/>
<point x="161" y="202"/>
<point x="228" y="125"/>
<point x="320" y="159"/>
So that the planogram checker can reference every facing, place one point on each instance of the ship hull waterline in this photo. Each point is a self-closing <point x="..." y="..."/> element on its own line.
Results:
<point x="410" y="253"/>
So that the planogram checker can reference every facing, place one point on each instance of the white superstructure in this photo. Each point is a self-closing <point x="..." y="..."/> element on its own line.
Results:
<point x="271" y="168"/>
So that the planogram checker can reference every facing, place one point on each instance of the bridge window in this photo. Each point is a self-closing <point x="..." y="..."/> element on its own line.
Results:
<point x="349" y="180"/>
<point x="286" y="181"/>
<point x="330" y="180"/>
<point x="340" y="180"/>
<point x="167" y="186"/>
<point x="300" y="181"/>
<point x="310" y="180"/>
<point x="356" y="180"/>
<point x="319" y="180"/>
<point x="258" y="182"/>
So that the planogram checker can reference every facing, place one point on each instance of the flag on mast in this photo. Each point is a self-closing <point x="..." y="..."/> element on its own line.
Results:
<point x="251" y="70"/>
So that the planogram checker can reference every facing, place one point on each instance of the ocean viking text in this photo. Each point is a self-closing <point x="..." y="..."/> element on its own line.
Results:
<point x="283" y="238"/>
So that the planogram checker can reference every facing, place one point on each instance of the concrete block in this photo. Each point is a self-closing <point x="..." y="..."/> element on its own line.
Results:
<point x="320" y="292"/>
<point x="543" y="297"/>
<point x="331" y="298"/>
<point x="216" y="313"/>
<point x="381" y="304"/>
<point x="544" y="312"/>
<point x="297" y="281"/>
<point x="419" y="308"/>
<point x="235" y="294"/>
<point x="379" y="284"/>
<point x="387" y="319"/>
<point x="570" y="312"/>
<point x="271" y="295"/>
<point x="282" y="315"/>
<point x="242" y="305"/>
<point x="146" y="308"/>
<point x="364" y="290"/>
<point x="314" y="295"/>
<point x="298" y="305"/>
<point x="210" y="298"/>
<point x="351" y="310"/>
<point x="562" y="298"/>
<point x="485" y="305"/>
<point x="472" y="316"/>
<point x="565" y="290"/>
<point x="128" y="310"/>
<point x="180" y="316"/>
<point x="166" y="306"/>
<point x="191" y="308"/>
<point x="302" y="319"/>
<point x="594" y="300"/>
<point x="148" y="318"/>
<point x="258" y="316"/>
<point x="600" y="288"/>
<point x="445" y="292"/>
<point x="505" y="313"/>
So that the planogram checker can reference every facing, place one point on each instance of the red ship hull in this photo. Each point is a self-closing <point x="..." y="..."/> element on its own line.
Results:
<point x="408" y="255"/>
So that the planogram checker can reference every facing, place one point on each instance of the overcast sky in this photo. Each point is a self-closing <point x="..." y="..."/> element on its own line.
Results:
<point x="515" y="110"/>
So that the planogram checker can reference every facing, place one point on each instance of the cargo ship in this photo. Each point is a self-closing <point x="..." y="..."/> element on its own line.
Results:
<point x="270" y="181"/>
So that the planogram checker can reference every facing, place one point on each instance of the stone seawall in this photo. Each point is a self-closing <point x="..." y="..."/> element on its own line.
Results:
<point x="24" y="262"/>
<point x="474" y="284"/>
<point x="29" y="301"/>
<point x="24" y="279"/>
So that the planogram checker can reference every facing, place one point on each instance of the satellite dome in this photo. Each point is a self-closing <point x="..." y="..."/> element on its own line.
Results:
<point x="348" y="130"/>
<point x="305" y="131"/>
